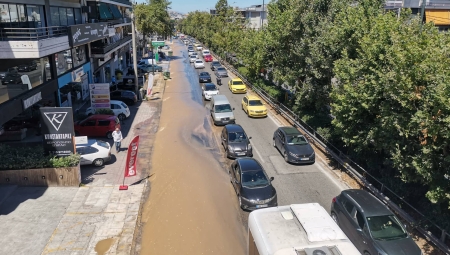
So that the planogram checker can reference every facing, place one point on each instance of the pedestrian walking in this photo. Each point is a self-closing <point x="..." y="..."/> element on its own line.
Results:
<point x="117" y="136"/>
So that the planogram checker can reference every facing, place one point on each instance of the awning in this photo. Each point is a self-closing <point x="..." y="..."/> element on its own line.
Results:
<point x="105" y="13"/>
<point x="115" y="11"/>
<point x="438" y="17"/>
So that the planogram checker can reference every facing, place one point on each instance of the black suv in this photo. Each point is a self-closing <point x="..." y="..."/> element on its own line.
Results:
<point x="370" y="225"/>
<point x="126" y="96"/>
<point x="294" y="147"/>
<point x="235" y="142"/>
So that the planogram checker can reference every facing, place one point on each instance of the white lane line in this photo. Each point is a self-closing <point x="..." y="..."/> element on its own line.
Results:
<point x="161" y="129"/>
<point x="166" y="98"/>
<point x="277" y="122"/>
<point x="259" y="155"/>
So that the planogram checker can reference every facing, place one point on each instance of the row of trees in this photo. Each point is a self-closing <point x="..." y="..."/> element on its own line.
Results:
<point x="384" y="77"/>
<point x="153" y="18"/>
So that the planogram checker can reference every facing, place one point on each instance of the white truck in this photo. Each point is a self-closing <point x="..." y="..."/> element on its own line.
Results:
<point x="298" y="229"/>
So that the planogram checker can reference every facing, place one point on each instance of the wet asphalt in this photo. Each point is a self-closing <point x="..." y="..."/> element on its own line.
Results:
<point x="294" y="183"/>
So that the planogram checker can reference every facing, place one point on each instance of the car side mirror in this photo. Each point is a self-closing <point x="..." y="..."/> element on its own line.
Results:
<point x="250" y="137"/>
<point x="233" y="108"/>
<point x="272" y="178"/>
<point x="359" y="229"/>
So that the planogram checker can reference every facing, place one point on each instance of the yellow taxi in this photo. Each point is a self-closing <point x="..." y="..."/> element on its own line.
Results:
<point x="254" y="106"/>
<point x="237" y="86"/>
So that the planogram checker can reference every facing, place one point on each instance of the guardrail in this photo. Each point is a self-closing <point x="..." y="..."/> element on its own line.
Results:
<point x="413" y="217"/>
<point x="31" y="34"/>
<point x="107" y="48"/>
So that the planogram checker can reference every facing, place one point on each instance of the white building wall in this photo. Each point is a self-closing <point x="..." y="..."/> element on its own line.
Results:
<point x="33" y="49"/>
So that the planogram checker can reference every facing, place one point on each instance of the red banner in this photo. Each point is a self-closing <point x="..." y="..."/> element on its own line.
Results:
<point x="130" y="166"/>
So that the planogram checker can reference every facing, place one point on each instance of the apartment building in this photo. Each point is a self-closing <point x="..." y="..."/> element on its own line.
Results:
<point x="255" y="15"/>
<point x="50" y="50"/>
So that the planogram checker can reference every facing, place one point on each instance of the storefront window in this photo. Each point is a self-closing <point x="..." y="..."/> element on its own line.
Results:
<point x="55" y="16"/>
<point x="34" y="15"/>
<point x="79" y="55"/>
<point x="70" y="17"/>
<point x="63" y="61"/>
<point x="21" y="15"/>
<point x="78" y="16"/>
<point x="62" y="17"/>
<point x="20" y="75"/>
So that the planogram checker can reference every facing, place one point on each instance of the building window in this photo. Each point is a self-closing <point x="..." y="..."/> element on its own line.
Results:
<point x="20" y="75"/>
<point x="79" y="55"/>
<point x="63" y="61"/>
<point x="20" y="15"/>
<point x="54" y="16"/>
<point x="77" y="13"/>
<point x="63" y="16"/>
<point x="70" y="17"/>
<point x="34" y="15"/>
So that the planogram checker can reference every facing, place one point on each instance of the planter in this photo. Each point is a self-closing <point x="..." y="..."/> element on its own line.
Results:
<point x="47" y="177"/>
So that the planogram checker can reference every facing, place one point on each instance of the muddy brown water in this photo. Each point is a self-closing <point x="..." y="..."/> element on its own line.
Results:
<point x="103" y="246"/>
<point x="192" y="208"/>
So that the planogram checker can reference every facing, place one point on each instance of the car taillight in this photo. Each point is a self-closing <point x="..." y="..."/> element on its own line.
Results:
<point x="333" y="200"/>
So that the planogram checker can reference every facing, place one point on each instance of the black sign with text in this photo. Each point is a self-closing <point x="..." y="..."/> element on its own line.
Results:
<point x="88" y="32"/>
<point x="57" y="129"/>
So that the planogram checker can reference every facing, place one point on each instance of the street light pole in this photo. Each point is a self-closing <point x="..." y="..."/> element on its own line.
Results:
<point x="133" y="36"/>
<point x="262" y="20"/>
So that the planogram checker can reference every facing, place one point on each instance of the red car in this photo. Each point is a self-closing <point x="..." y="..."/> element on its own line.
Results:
<point x="97" y="125"/>
<point x="208" y="58"/>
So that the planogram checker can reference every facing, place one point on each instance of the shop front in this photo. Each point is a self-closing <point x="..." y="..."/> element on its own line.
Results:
<point x="74" y="87"/>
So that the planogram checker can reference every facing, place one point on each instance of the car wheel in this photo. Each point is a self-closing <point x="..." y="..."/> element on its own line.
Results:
<point x="77" y="133"/>
<point x="335" y="218"/>
<point x="98" y="162"/>
<point x="286" y="158"/>
<point x="121" y="117"/>
<point x="366" y="253"/>
<point x="240" y="201"/>
<point x="109" y="135"/>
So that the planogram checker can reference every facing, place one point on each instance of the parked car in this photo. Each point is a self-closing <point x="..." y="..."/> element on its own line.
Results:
<point x="97" y="125"/>
<point x="192" y="58"/>
<point x="204" y="77"/>
<point x="221" y="110"/>
<point x="95" y="152"/>
<point x="209" y="90"/>
<point x="205" y="52"/>
<point x="221" y="72"/>
<point x="12" y="78"/>
<point x="191" y="51"/>
<point x="150" y="68"/>
<point x="27" y="67"/>
<point x="370" y="225"/>
<point x="236" y="142"/>
<point x="208" y="58"/>
<point x="126" y="96"/>
<point x="254" y="106"/>
<point x="253" y="188"/>
<point x="214" y="65"/>
<point x="198" y="64"/>
<point x="9" y="70"/>
<point x="294" y="147"/>
<point x="237" y="86"/>
<point x="119" y="108"/>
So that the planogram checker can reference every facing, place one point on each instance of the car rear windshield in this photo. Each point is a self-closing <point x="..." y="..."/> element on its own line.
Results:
<point x="255" y="103"/>
<point x="103" y="144"/>
<point x="386" y="227"/>
<point x="210" y="87"/>
<point x="215" y="63"/>
<point x="296" y="140"/>
<point x="237" y="137"/>
<point x="220" y="69"/>
<point x="198" y="61"/>
<point x="204" y="74"/>
<point x="254" y="179"/>
<point x="238" y="83"/>
<point x="222" y="108"/>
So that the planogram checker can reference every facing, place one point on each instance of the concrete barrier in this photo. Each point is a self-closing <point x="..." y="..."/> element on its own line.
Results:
<point x="47" y="177"/>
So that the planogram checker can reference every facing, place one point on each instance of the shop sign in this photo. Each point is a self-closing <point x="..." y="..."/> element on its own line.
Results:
<point x="85" y="33"/>
<point x="84" y="86"/>
<point x="158" y="43"/>
<point x="81" y="139"/>
<point x="100" y="98"/>
<point x="57" y="130"/>
<point x="111" y="32"/>
<point x="31" y="100"/>
<point x="76" y="75"/>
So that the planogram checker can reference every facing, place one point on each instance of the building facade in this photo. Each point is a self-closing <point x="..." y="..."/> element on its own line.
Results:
<point x="50" y="50"/>
<point x="255" y="15"/>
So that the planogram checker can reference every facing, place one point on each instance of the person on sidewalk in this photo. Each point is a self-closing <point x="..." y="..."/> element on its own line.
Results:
<point x="117" y="136"/>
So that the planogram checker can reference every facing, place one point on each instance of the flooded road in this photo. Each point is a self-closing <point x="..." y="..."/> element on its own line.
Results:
<point x="192" y="207"/>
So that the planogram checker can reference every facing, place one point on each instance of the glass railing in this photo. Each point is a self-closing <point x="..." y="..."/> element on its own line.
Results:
<point x="31" y="34"/>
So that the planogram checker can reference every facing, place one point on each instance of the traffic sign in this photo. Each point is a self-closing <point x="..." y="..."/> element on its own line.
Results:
<point x="158" y="43"/>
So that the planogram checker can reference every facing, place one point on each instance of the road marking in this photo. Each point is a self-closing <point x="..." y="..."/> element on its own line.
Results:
<point x="259" y="155"/>
<point x="166" y="98"/>
<point x="277" y="122"/>
<point x="161" y="129"/>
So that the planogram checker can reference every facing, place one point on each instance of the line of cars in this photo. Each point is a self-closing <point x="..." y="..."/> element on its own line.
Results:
<point x="368" y="223"/>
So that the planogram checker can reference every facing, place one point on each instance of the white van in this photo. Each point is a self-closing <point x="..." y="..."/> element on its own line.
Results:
<point x="221" y="111"/>
<point x="304" y="229"/>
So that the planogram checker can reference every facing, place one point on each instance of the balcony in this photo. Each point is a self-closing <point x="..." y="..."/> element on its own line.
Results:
<point x="32" y="42"/>
<point x="124" y="3"/>
<point x="98" y="51"/>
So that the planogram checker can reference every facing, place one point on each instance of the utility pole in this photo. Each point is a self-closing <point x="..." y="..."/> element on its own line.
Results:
<point x="133" y="36"/>
<point x="262" y="19"/>
<point x="422" y="14"/>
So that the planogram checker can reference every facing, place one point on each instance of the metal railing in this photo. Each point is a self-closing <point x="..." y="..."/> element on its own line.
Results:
<point x="107" y="48"/>
<point x="406" y="211"/>
<point x="31" y="34"/>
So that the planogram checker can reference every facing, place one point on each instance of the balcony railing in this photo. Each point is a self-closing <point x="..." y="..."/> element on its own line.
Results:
<point x="31" y="34"/>
<point x="96" y="49"/>
<point x="118" y="21"/>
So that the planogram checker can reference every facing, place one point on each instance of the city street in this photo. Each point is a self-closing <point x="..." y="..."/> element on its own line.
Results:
<point x="192" y="206"/>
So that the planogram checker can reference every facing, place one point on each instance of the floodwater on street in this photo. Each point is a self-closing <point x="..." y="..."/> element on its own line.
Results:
<point x="192" y="207"/>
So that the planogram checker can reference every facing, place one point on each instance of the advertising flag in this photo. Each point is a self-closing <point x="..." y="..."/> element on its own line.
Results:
<point x="130" y="166"/>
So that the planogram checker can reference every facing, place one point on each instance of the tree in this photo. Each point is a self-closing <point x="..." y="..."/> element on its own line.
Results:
<point x="222" y="7"/>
